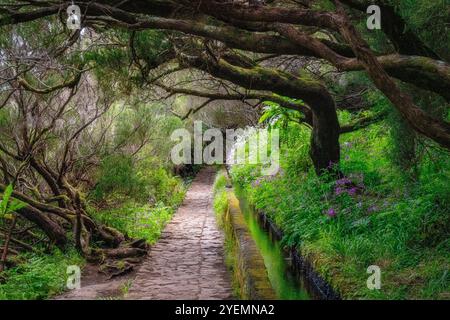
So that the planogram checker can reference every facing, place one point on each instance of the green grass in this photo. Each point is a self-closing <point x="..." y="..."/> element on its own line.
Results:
<point x="393" y="221"/>
<point x="142" y="211"/>
<point x="137" y="221"/>
<point x="220" y="182"/>
<point x="220" y="204"/>
<point x="38" y="276"/>
<point x="220" y="197"/>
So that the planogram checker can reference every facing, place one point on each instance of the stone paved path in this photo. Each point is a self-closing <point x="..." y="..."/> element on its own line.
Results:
<point x="188" y="260"/>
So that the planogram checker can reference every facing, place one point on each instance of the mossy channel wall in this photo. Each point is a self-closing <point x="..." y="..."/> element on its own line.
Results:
<point x="315" y="284"/>
<point x="250" y="277"/>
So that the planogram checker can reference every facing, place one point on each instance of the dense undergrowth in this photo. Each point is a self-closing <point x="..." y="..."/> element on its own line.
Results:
<point x="220" y="195"/>
<point x="384" y="212"/>
<point x="38" y="275"/>
<point x="42" y="274"/>
<point x="136" y="198"/>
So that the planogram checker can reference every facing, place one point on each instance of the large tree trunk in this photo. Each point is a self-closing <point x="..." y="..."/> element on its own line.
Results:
<point x="84" y="227"/>
<point x="54" y="231"/>
<point x="325" y="148"/>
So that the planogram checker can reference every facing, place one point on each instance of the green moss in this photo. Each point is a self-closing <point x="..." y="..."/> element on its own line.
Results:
<point x="249" y="275"/>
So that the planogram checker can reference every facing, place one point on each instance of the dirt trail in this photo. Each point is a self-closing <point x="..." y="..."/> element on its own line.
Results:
<point x="188" y="260"/>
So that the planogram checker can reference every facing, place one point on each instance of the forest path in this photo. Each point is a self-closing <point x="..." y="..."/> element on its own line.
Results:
<point x="188" y="260"/>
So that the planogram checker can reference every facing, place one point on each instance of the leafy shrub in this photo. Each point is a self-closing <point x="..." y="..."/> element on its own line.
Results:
<point x="221" y="203"/>
<point x="220" y="182"/>
<point x="160" y="186"/>
<point x="220" y="196"/>
<point x="140" y="222"/>
<point x="146" y="182"/>
<point x="118" y="178"/>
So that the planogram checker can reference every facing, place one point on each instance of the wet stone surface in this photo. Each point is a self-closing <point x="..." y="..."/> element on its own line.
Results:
<point x="188" y="260"/>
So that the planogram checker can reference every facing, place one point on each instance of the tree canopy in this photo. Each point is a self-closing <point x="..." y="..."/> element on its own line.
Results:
<point x="230" y="40"/>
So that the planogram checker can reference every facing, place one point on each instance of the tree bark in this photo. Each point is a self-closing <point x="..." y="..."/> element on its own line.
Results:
<point x="52" y="229"/>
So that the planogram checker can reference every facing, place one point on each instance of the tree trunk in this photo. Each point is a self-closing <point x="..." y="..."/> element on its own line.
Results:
<point x="325" y="148"/>
<point x="435" y="129"/>
<point x="52" y="229"/>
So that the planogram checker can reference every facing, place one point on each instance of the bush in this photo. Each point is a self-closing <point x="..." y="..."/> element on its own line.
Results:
<point x="145" y="182"/>
<point x="139" y="222"/>
<point x="118" y="178"/>
<point x="220" y="182"/>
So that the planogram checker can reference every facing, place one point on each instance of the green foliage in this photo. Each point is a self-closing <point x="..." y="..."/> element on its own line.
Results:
<point x="38" y="276"/>
<point x="142" y="49"/>
<point x="403" y="145"/>
<point x="144" y="182"/>
<point x="276" y="116"/>
<point x="378" y="219"/>
<point x="220" y="182"/>
<point x="150" y="44"/>
<point x="118" y="178"/>
<point x="244" y="175"/>
<point x="161" y="186"/>
<point x="231" y="247"/>
<point x="7" y="205"/>
<point x="295" y="142"/>
<point x="220" y="204"/>
<point x="220" y="196"/>
<point x="139" y="222"/>
<point x="429" y="20"/>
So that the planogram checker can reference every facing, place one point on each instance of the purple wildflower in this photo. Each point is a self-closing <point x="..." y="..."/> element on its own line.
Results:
<point x="343" y="182"/>
<point x="256" y="183"/>
<point x="338" y="190"/>
<point x="331" y="212"/>
<point x="352" y="191"/>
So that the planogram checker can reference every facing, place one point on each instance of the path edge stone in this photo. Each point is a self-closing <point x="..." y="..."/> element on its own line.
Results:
<point x="248" y="269"/>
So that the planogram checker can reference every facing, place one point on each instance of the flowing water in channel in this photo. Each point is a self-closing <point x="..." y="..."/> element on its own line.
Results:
<point x="285" y="281"/>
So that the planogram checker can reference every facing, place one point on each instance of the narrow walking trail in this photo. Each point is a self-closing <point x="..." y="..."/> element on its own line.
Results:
<point x="188" y="260"/>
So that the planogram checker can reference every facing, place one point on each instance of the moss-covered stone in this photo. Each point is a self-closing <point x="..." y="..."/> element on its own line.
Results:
<point x="249" y="272"/>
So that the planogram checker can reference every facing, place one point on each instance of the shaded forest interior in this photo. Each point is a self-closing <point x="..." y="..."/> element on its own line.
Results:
<point x="86" y="116"/>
